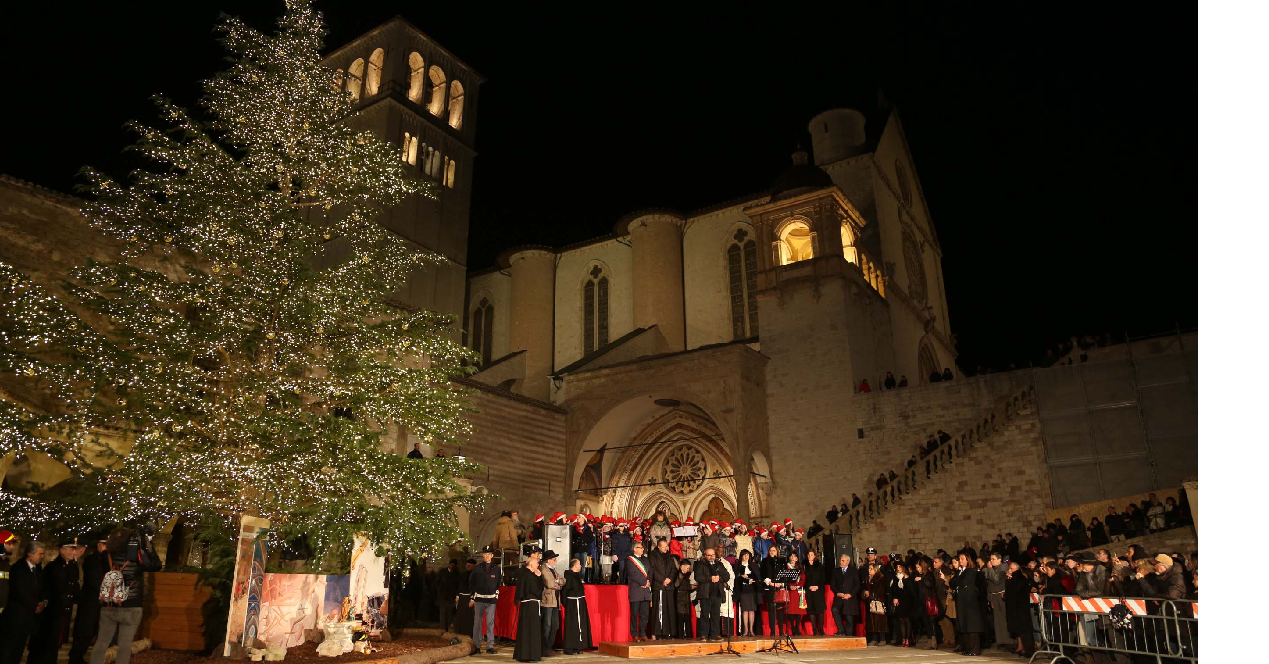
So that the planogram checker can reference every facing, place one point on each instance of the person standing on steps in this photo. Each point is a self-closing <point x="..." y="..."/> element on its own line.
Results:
<point x="640" y="591"/>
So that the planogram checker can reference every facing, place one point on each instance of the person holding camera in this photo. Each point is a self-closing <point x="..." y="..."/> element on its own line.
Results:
<point x="128" y="557"/>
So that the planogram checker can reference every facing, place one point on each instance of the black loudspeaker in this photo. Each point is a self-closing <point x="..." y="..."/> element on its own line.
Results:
<point x="835" y="544"/>
<point x="828" y="549"/>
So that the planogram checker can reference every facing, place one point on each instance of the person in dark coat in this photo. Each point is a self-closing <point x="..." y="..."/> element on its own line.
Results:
<point x="662" y="568"/>
<point x="464" y="615"/>
<point x="621" y="548"/>
<point x="88" y="610"/>
<point x="711" y="576"/>
<point x="767" y="568"/>
<point x="132" y="555"/>
<point x="748" y="580"/>
<point x="24" y="605"/>
<point x="969" y="606"/>
<point x="447" y="593"/>
<point x="1097" y="535"/>
<point x="640" y="595"/>
<point x="900" y="600"/>
<point x="483" y="583"/>
<point x="875" y="624"/>
<point x="927" y="593"/>
<point x="844" y="581"/>
<point x="815" y="581"/>
<point x="10" y="542"/>
<point x="683" y="600"/>
<point x="60" y="586"/>
<point x="529" y="586"/>
<point x="576" y="614"/>
<point x="1018" y="609"/>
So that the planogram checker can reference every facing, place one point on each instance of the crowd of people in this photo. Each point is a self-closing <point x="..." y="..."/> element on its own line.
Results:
<point x="81" y="596"/>
<point x="721" y="574"/>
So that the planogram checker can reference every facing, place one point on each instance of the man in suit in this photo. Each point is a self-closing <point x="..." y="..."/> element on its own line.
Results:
<point x="21" y="611"/>
<point x="640" y="591"/>
<point x="845" y="585"/>
<point x="711" y="584"/>
<point x="60" y="585"/>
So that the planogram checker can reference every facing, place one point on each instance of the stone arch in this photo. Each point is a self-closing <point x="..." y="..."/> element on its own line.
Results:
<point x="795" y="240"/>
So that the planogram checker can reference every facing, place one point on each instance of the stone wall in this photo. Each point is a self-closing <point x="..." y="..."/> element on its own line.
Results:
<point x="1001" y="486"/>
<point x="521" y="443"/>
<point x="895" y="422"/>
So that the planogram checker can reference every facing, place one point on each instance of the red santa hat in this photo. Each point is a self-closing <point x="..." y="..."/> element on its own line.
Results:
<point x="580" y="518"/>
<point x="775" y="526"/>
<point x="538" y="518"/>
<point x="788" y="522"/>
<point x="638" y="537"/>
<point x="689" y="522"/>
<point x="779" y="528"/>
<point x="739" y="524"/>
<point x="727" y="528"/>
<point x="622" y="523"/>
<point x="675" y="523"/>
<point x="798" y="532"/>
<point x="558" y="516"/>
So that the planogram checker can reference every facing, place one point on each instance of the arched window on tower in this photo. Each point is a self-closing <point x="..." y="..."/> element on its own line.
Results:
<point x="742" y="284"/>
<point x="353" y="81"/>
<point x="796" y="243"/>
<point x="410" y="149"/>
<point x="595" y="310"/>
<point x="451" y="167"/>
<point x="848" y="244"/>
<point x="456" y="105"/>
<point x="436" y="103"/>
<point x="481" y="333"/>
<point x="374" y="73"/>
<point x="416" y="78"/>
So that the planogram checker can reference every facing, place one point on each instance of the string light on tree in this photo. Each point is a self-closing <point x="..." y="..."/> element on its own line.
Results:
<point x="233" y="395"/>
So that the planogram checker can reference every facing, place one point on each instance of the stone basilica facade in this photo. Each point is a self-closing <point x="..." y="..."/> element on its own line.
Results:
<point x="705" y="362"/>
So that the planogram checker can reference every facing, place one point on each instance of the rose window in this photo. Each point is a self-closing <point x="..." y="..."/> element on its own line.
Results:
<point x="684" y="470"/>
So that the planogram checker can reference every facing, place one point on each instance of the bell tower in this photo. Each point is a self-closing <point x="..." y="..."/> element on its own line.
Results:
<point x="824" y="319"/>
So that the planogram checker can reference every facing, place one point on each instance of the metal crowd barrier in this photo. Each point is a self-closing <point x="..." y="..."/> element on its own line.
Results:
<point x="1166" y="630"/>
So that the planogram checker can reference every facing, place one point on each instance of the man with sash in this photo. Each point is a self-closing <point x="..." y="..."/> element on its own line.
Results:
<point x="640" y="592"/>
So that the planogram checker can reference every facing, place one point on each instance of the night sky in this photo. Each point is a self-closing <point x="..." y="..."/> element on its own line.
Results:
<point x="1058" y="156"/>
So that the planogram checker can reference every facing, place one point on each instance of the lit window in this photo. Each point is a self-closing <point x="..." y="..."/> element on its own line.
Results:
<point x="353" y="83"/>
<point x="450" y="168"/>
<point x="797" y="243"/>
<point x="374" y="73"/>
<point x="456" y="105"/>
<point x="595" y="310"/>
<point x="416" y="78"/>
<point x="742" y="284"/>
<point x="848" y="244"/>
<point x="436" y="103"/>
<point x="410" y="149"/>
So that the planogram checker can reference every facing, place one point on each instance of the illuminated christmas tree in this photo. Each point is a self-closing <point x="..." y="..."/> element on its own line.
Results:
<point x="243" y="354"/>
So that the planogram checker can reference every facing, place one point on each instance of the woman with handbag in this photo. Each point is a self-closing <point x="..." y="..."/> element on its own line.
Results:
<point x="815" y="580"/>
<point x="876" y="623"/>
<point x="927" y="603"/>
<point x="901" y="598"/>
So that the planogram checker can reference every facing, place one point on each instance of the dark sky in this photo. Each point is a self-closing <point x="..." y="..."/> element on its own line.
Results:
<point x="1058" y="154"/>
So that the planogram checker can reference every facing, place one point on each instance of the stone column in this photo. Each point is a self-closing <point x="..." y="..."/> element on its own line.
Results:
<point x="657" y="241"/>
<point x="533" y="318"/>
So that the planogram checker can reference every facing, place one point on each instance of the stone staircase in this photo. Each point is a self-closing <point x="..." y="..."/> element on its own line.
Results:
<point x="947" y="454"/>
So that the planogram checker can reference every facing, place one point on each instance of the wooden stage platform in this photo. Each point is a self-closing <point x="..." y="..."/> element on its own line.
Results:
<point x="747" y="644"/>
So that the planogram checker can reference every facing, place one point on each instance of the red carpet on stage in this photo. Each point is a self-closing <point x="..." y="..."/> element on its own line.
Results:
<point x="609" y="609"/>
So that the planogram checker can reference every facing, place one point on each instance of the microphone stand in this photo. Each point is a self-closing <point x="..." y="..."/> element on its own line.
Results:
<point x="725" y="647"/>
